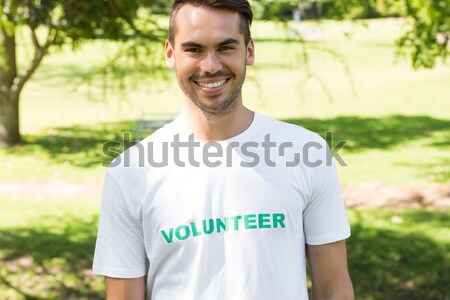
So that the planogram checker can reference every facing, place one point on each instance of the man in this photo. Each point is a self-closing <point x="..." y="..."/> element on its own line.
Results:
<point x="217" y="204"/>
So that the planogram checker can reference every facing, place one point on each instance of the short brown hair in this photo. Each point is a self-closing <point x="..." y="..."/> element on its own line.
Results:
<point x="240" y="6"/>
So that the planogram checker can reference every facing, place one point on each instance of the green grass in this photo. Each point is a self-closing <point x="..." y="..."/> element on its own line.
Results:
<point x="407" y="260"/>
<point x="73" y="153"/>
<point x="46" y="249"/>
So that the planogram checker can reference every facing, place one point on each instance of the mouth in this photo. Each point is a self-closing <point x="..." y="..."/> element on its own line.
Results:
<point x="212" y="86"/>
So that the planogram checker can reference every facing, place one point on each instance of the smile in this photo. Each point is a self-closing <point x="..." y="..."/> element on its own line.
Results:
<point x="212" y="85"/>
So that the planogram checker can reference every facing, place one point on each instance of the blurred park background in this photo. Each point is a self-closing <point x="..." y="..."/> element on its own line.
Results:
<point x="86" y="72"/>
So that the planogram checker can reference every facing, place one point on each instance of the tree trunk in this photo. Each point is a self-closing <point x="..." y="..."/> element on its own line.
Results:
<point x="8" y="66"/>
<point x="9" y="100"/>
<point x="11" y="83"/>
<point x="9" y="120"/>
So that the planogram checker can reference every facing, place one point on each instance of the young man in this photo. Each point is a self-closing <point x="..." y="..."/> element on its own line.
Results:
<point x="218" y="204"/>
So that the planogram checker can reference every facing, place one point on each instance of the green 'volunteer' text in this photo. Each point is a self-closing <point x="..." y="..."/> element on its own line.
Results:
<point x="251" y="221"/>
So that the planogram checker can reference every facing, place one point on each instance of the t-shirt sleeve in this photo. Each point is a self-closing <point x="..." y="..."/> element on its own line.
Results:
<point x="119" y="250"/>
<point x="324" y="216"/>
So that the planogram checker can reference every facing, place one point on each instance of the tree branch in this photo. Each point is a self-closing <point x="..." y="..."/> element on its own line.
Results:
<point x="39" y="53"/>
<point x="120" y="13"/>
<point x="32" y="27"/>
<point x="34" y="38"/>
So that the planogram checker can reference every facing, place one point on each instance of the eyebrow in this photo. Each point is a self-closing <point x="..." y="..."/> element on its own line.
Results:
<point x="197" y="45"/>
<point x="228" y="42"/>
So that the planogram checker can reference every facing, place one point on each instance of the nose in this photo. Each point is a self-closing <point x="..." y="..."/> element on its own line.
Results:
<point x="211" y="64"/>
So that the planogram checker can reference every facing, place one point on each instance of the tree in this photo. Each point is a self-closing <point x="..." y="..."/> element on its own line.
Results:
<point x="53" y="23"/>
<point x="429" y="37"/>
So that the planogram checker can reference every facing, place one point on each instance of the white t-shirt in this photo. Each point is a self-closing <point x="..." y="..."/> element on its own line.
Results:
<point x="233" y="231"/>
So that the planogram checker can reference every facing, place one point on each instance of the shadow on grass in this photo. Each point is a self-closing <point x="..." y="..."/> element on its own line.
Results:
<point x="80" y="146"/>
<point x="83" y="146"/>
<point x="390" y="265"/>
<point x="379" y="133"/>
<point x="50" y="262"/>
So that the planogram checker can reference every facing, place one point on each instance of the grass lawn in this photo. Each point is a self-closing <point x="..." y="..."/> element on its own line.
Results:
<point x="397" y="255"/>
<point x="46" y="249"/>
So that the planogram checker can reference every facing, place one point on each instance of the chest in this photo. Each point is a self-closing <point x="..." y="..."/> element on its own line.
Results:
<point x="188" y="202"/>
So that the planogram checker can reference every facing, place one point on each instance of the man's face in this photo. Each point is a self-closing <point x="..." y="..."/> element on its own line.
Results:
<point x="210" y="57"/>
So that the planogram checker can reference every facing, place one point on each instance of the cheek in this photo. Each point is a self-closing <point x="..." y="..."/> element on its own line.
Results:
<point x="235" y="61"/>
<point x="186" y="66"/>
<point x="235" y="66"/>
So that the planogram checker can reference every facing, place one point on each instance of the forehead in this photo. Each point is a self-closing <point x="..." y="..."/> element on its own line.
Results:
<point x="206" y="25"/>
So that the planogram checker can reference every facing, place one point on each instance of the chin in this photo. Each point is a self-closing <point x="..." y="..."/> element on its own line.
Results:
<point x="222" y="109"/>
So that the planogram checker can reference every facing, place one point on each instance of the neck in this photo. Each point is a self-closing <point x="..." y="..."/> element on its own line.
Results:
<point x="211" y="127"/>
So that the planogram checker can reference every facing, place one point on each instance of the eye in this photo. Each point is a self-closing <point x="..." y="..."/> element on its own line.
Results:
<point x="193" y="50"/>
<point x="226" y="48"/>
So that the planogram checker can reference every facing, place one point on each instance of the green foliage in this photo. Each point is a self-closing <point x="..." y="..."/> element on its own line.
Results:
<point x="55" y="23"/>
<point x="348" y="9"/>
<point x="362" y="9"/>
<point x="391" y="7"/>
<point x="75" y="20"/>
<point x="273" y="9"/>
<point x="430" y="36"/>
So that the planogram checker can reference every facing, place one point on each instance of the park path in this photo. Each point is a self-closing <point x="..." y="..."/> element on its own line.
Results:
<point x="362" y="195"/>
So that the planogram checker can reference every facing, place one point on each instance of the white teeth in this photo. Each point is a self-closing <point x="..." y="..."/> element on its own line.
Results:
<point x="212" y="84"/>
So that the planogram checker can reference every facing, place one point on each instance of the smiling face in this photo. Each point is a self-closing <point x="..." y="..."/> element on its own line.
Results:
<point x="209" y="56"/>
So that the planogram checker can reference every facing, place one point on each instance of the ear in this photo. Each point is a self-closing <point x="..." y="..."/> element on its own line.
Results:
<point x="250" y="59"/>
<point x="169" y="54"/>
